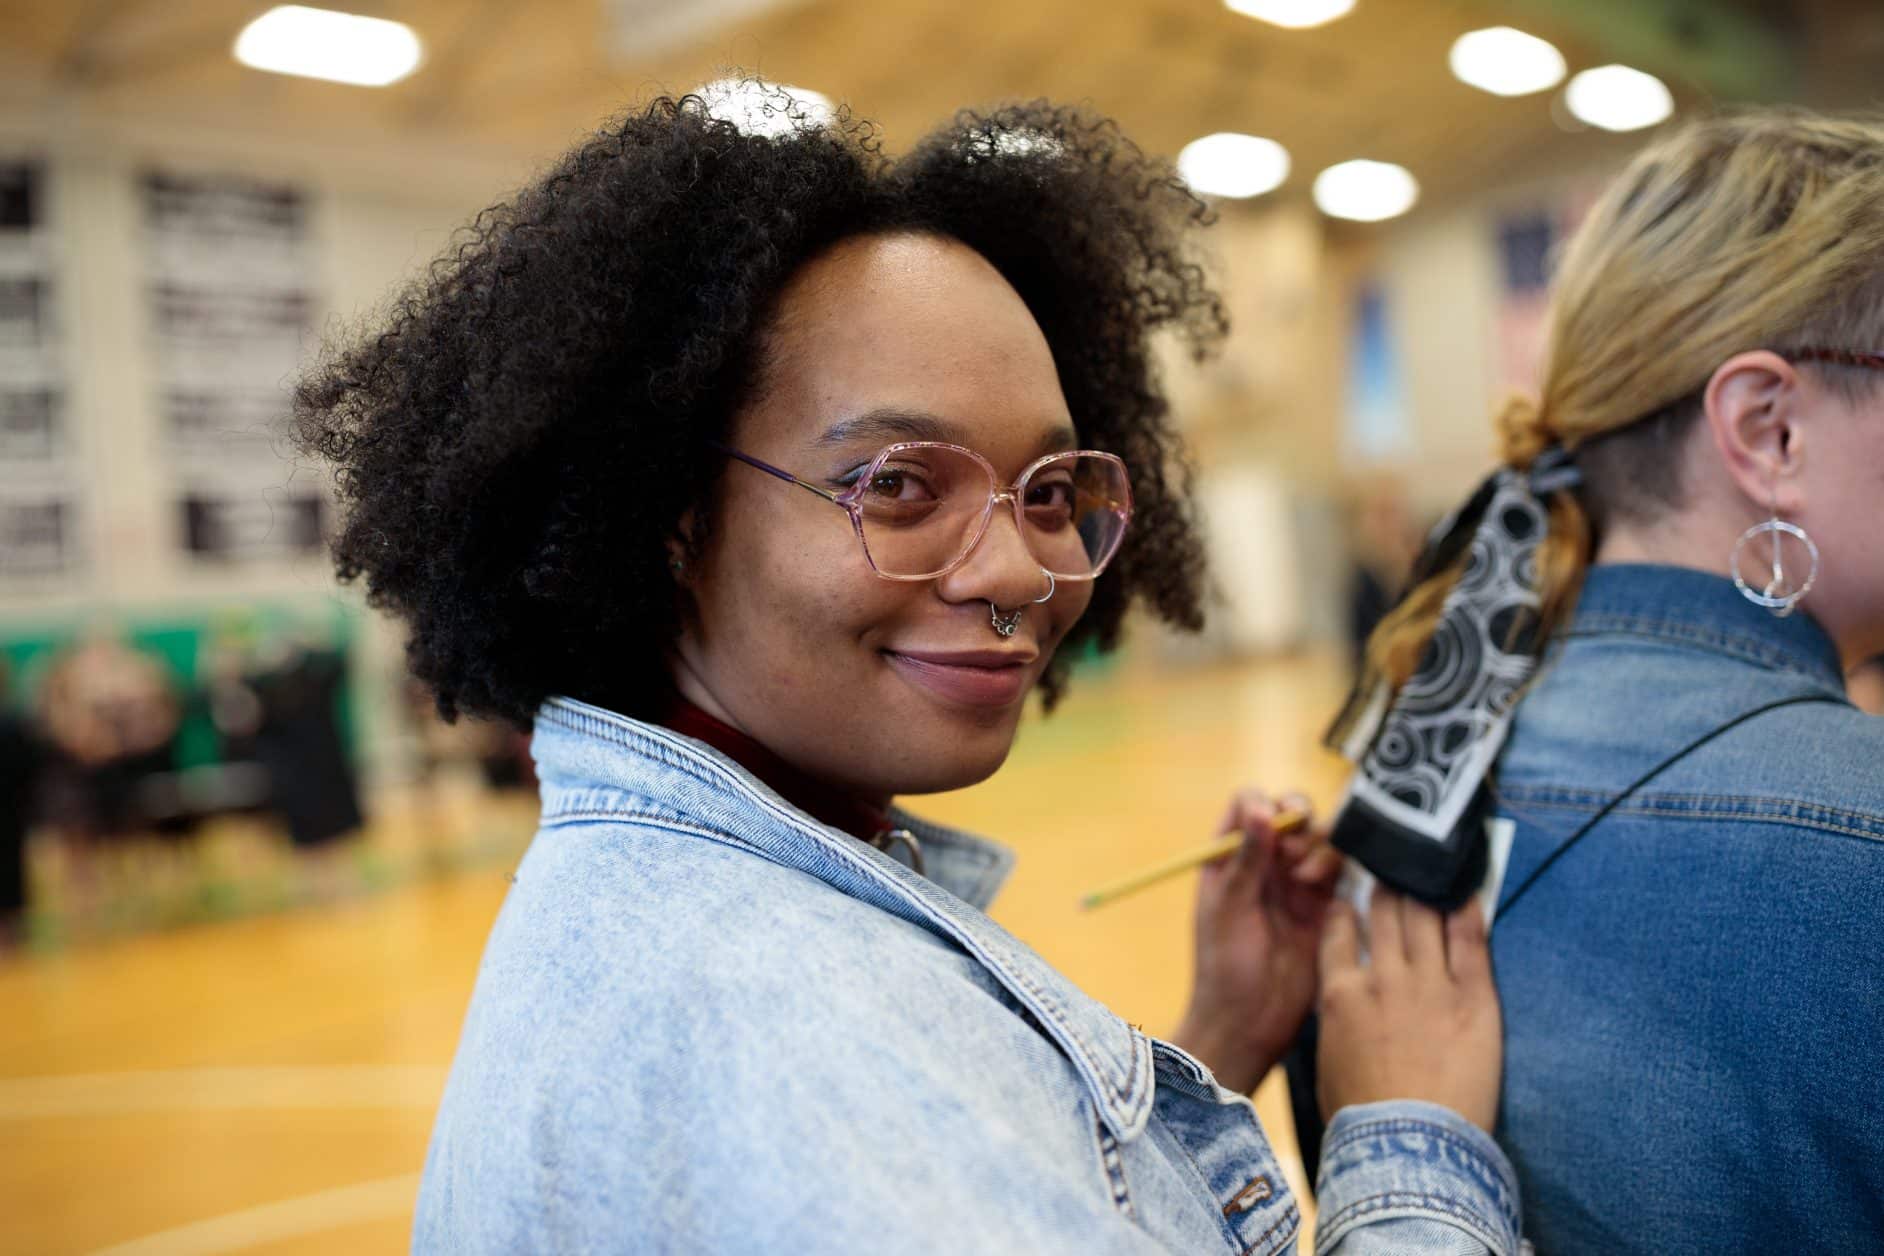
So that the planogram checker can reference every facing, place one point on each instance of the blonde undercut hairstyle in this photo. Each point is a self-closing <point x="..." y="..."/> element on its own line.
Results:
<point x="1757" y="230"/>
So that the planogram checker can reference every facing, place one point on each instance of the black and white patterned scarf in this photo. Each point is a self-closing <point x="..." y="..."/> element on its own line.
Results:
<point x="1415" y="810"/>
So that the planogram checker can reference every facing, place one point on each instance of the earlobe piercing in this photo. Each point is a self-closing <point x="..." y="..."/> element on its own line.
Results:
<point x="1769" y="595"/>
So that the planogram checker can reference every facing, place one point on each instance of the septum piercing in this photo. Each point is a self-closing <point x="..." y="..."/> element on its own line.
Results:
<point x="1007" y="623"/>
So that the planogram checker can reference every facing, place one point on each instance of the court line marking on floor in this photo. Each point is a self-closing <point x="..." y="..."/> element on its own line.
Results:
<point x="94" y="1094"/>
<point x="277" y="1222"/>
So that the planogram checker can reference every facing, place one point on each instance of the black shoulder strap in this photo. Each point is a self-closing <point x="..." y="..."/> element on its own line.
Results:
<point x="1563" y="849"/>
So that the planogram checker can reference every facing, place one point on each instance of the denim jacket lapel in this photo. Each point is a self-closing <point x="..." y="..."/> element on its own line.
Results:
<point x="585" y="752"/>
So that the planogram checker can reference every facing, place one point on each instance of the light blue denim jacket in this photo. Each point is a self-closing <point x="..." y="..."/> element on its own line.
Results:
<point x="705" y="1022"/>
<point x="1694" y="994"/>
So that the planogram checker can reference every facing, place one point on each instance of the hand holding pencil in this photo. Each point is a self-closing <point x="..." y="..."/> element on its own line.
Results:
<point x="1285" y="824"/>
<point x="1260" y="906"/>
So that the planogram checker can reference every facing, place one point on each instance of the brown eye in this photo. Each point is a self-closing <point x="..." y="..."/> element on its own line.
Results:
<point x="1049" y="503"/>
<point x="901" y="485"/>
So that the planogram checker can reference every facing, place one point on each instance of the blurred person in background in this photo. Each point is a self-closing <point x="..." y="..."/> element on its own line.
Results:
<point x="768" y="477"/>
<point x="110" y="714"/>
<point x="274" y="697"/>
<point x="20" y="763"/>
<point x="1686" y="942"/>
<point x="297" y="682"/>
<point x="1383" y="542"/>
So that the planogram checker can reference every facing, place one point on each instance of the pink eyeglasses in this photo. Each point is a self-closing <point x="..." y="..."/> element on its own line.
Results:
<point x="1836" y="357"/>
<point x="921" y="507"/>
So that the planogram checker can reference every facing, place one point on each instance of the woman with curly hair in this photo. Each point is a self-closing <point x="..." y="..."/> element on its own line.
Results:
<point x="766" y="477"/>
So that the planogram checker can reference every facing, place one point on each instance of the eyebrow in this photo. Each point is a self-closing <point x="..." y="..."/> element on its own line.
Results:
<point x="892" y="423"/>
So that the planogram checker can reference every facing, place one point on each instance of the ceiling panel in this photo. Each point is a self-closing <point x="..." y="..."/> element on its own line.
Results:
<point x="530" y="77"/>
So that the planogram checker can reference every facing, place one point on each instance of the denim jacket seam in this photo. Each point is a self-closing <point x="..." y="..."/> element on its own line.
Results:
<point x="1168" y="1057"/>
<point x="1291" y="1217"/>
<point x="1127" y="1101"/>
<point x="1291" y="1214"/>
<point x="1426" y="1129"/>
<point x="1405" y="1125"/>
<point x="1112" y="1164"/>
<point x="555" y="814"/>
<point x="1408" y="1127"/>
<point x="1126" y="1097"/>
<point x="983" y="866"/>
<point x="1758" y="808"/>
<point x="582" y="723"/>
<point x="1737" y="645"/>
<point x="577" y="815"/>
<point x="1203" y="1187"/>
<point x="1489" y="1228"/>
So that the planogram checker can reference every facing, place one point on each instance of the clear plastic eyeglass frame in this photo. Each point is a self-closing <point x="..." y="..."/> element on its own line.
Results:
<point x="1013" y="494"/>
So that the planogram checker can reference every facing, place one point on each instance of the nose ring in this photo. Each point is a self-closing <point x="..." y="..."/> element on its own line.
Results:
<point x="1007" y="623"/>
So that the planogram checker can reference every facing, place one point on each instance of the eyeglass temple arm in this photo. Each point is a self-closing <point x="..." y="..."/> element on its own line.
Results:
<point x="1837" y="357"/>
<point x="769" y="469"/>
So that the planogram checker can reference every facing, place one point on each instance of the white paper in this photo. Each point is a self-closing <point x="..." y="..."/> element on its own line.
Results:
<point x="1356" y="886"/>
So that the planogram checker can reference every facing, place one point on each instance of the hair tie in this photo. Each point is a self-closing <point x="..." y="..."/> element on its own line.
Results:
<point x="1554" y="469"/>
<point x="1416" y="807"/>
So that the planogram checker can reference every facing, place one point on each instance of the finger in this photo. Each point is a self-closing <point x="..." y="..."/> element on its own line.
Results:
<point x="1228" y="823"/>
<point x="1320" y="867"/>
<point x="1253" y="814"/>
<point x="1224" y="872"/>
<point x="1256" y="857"/>
<point x="1425" y="933"/>
<point x="1385" y="945"/>
<point x="1340" y="942"/>
<point x="1245" y="808"/>
<point x="1297" y="803"/>
<point x="1468" y="952"/>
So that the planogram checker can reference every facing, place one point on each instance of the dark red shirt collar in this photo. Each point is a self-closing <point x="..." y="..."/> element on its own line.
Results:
<point x="823" y="803"/>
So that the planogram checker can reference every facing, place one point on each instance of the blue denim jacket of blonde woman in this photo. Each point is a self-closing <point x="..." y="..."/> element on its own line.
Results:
<point x="1694" y="993"/>
<point x="706" y="1023"/>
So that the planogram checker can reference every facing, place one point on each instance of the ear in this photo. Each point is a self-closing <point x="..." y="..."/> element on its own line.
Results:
<point x="679" y="550"/>
<point x="1753" y="405"/>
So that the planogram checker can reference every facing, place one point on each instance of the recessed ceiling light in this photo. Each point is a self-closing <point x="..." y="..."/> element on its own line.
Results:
<point x="1365" y="191"/>
<point x="1229" y="164"/>
<point x="1294" y="14"/>
<point x="1506" y="62"/>
<point x="1616" y="98"/>
<point x="323" y="44"/>
<point x="769" y="109"/>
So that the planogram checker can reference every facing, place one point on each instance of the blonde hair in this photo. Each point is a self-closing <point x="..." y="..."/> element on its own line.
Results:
<point x="1758" y="230"/>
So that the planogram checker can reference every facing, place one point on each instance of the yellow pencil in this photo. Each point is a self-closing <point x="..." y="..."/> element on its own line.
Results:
<point x="1286" y="822"/>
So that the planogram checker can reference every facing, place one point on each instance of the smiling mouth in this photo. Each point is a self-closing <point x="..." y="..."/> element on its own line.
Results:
<point x="979" y="678"/>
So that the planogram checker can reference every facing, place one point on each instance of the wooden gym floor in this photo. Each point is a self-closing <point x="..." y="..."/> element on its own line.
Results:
<point x="266" y="1085"/>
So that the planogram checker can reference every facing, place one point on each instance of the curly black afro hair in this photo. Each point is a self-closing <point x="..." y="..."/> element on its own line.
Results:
<point x="516" y="440"/>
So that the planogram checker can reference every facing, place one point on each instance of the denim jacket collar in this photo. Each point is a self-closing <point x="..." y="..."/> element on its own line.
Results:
<point x="1694" y="608"/>
<point x="588" y="758"/>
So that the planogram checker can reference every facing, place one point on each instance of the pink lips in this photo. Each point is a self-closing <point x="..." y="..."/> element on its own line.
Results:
<point x="982" y="678"/>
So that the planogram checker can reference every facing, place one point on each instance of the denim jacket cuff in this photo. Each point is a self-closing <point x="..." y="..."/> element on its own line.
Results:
<point x="1408" y="1159"/>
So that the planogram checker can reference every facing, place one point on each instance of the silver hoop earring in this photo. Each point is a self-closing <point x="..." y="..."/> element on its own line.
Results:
<point x="1051" y="586"/>
<point x="1769" y="595"/>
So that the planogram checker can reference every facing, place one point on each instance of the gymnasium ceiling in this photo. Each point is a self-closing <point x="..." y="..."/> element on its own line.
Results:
<point x="527" y="76"/>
